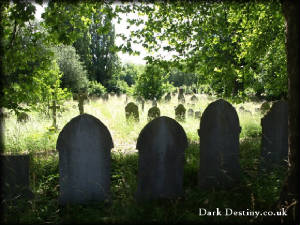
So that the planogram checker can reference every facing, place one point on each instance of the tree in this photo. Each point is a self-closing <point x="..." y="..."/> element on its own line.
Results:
<point x="74" y="74"/>
<point x="28" y="63"/>
<point x="221" y="41"/>
<point x="88" y="27"/>
<point x="289" y="198"/>
<point x="152" y="83"/>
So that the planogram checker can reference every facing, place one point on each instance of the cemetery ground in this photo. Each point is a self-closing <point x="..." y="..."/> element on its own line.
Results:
<point x="257" y="191"/>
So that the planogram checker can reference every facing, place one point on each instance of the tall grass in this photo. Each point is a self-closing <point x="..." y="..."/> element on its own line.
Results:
<point x="256" y="191"/>
<point x="34" y="135"/>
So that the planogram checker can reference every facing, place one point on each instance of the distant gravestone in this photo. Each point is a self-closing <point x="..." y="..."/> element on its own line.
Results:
<point x="219" y="146"/>
<point x="153" y="113"/>
<point x="132" y="111"/>
<point x="274" y="150"/>
<point x="168" y="97"/>
<point x="242" y="108"/>
<point x="190" y="113"/>
<point x="154" y="103"/>
<point x="84" y="146"/>
<point x="181" y="98"/>
<point x="161" y="146"/>
<point x="22" y="117"/>
<point x="105" y="97"/>
<point x="265" y="107"/>
<point x="82" y="97"/>
<point x="180" y="112"/>
<point x="197" y="115"/>
<point x="15" y="176"/>
<point x="194" y="98"/>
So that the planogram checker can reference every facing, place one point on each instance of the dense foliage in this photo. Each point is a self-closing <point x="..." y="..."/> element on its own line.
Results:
<point x="232" y="50"/>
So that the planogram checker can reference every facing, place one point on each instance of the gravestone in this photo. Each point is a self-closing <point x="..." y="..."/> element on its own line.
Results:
<point x="168" y="97"/>
<point x="22" y="117"/>
<point x="242" y="108"/>
<point x="84" y="146"/>
<point x="161" y="146"/>
<point x="132" y="111"/>
<point x="219" y="146"/>
<point x="154" y="103"/>
<point x="105" y="97"/>
<point x="181" y="98"/>
<point x="197" y="115"/>
<point x="153" y="113"/>
<point x="15" y="176"/>
<point x="190" y="113"/>
<point x="194" y="98"/>
<point x="274" y="143"/>
<point x="54" y="109"/>
<point x="180" y="112"/>
<point x="82" y="97"/>
<point x="265" y="107"/>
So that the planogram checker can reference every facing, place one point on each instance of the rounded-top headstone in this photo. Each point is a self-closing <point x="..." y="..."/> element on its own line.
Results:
<point x="275" y="136"/>
<point x="132" y="110"/>
<point x="84" y="146"/>
<point x="168" y="97"/>
<point x="194" y="98"/>
<point x="161" y="146"/>
<point x="153" y="113"/>
<point x="265" y="107"/>
<point x="219" y="146"/>
<point x="180" y="112"/>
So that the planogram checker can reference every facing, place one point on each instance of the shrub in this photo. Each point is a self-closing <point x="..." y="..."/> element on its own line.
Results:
<point x="96" y="89"/>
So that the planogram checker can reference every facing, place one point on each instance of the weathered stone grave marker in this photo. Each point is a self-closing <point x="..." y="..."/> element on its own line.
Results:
<point x="84" y="146"/>
<point x="180" y="112"/>
<point x="194" y="98"/>
<point x="265" y="107"/>
<point x="168" y="97"/>
<point x="197" y="115"/>
<point x="190" y="113"/>
<point x="132" y="110"/>
<point x="219" y="146"/>
<point x="181" y="98"/>
<point x="274" y="143"/>
<point x="153" y="113"/>
<point x="161" y="146"/>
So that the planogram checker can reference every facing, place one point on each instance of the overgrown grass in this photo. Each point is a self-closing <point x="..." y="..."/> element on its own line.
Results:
<point x="256" y="191"/>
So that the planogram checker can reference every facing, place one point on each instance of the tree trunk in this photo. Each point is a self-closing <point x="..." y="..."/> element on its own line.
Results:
<point x="289" y="198"/>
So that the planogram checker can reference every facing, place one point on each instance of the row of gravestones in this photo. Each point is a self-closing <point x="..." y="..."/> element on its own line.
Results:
<point x="132" y="111"/>
<point x="85" y="145"/>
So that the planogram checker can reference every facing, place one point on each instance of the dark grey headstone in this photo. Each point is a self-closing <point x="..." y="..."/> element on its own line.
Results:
<point x="180" y="112"/>
<point x="194" y="98"/>
<point x="132" y="111"/>
<point x="154" y="103"/>
<point x="84" y="146"/>
<point x="153" y="113"/>
<point x="190" y="113"/>
<point x="161" y="146"/>
<point x="22" y="117"/>
<point x="265" y="107"/>
<point x="219" y="146"/>
<point x="168" y="97"/>
<point x="15" y="176"/>
<point x="197" y="115"/>
<point x="181" y="98"/>
<point x="274" y="150"/>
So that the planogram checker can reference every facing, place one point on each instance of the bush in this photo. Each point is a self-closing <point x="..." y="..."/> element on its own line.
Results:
<point x="152" y="83"/>
<point x="95" y="89"/>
